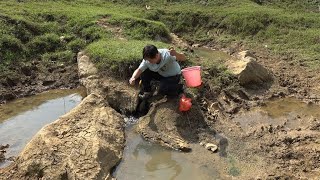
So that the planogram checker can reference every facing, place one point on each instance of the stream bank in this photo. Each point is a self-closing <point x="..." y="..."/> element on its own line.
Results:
<point x="267" y="150"/>
<point x="21" y="119"/>
<point x="38" y="77"/>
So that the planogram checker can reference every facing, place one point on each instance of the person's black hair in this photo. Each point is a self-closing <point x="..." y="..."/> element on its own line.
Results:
<point x="149" y="51"/>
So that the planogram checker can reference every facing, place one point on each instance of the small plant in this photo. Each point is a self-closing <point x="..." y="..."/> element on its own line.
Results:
<point x="44" y="43"/>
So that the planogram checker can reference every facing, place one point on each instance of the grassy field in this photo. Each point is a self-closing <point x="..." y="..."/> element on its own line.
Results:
<point x="54" y="31"/>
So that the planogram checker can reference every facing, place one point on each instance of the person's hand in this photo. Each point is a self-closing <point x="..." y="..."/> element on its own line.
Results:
<point x="132" y="81"/>
<point x="172" y="51"/>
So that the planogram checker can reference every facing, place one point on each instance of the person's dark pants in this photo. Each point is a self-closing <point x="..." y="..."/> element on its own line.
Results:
<point x="168" y="85"/>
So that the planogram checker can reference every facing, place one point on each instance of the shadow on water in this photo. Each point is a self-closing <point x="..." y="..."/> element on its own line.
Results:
<point x="23" y="118"/>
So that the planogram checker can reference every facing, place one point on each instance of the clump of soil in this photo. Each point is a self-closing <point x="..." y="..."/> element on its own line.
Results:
<point x="2" y="152"/>
<point x="166" y="125"/>
<point x="37" y="77"/>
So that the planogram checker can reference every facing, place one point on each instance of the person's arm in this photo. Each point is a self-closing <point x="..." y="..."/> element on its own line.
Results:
<point x="136" y="74"/>
<point x="179" y="56"/>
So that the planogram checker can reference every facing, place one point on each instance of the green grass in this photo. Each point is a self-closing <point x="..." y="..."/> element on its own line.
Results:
<point x="138" y="28"/>
<point x="120" y="58"/>
<point x="32" y="30"/>
<point x="273" y="23"/>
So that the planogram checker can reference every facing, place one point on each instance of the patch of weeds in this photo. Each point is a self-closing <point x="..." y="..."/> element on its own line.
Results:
<point x="92" y="33"/>
<point x="35" y="170"/>
<point x="11" y="49"/>
<point x="120" y="58"/>
<point x="44" y="43"/>
<point x="137" y="28"/>
<point x="233" y="170"/>
<point x="61" y="56"/>
<point x="76" y="45"/>
<point x="216" y="78"/>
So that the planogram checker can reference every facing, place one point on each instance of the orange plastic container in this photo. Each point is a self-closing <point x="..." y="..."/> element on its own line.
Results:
<point x="185" y="103"/>
<point x="192" y="76"/>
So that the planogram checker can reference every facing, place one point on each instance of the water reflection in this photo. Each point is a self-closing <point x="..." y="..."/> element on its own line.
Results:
<point x="24" y="122"/>
<point x="159" y="161"/>
<point x="144" y="160"/>
<point x="21" y="105"/>
<point x="288" y="112"/>
<point x="212" y="55"/>
<point x="286" y="106"/>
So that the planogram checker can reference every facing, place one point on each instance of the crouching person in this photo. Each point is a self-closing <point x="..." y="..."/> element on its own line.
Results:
<point x="160" y="65"/>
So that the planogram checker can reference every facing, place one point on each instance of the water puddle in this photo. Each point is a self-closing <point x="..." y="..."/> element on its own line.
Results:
<point x="145" y="160"/>
<point x="290" y="112"/>
<point x="210" y="55"/>
<point x="21" y="119"/>
<point x="290" y="106"/>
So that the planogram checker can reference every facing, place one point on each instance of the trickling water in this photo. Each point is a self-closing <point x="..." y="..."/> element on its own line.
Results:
<point x="21" y="119"/>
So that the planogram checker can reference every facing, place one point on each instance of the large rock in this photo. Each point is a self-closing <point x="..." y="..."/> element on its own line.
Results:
<point x="248" y="70"/>
<point x="119" y="95"/>
<point x="86" y="143"/>
<point x="166" y="125"/>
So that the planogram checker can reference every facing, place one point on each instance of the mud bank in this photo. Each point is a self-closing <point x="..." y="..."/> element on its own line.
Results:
<point x="36" y="78"/>
<point x="266" y="151"/>
<point x="270" y="150"/>
<point x="77" y="145"/>
<point x="85" y="143"/>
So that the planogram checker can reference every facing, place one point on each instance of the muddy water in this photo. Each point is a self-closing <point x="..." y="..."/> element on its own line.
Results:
<point x="144" y="160"/>
<point x="21" y="119"/>
<point x="288" y="112"/>
<point x="207" y="54"/>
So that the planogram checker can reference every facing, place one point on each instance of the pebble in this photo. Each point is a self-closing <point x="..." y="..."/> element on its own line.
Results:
<point x="211" y="147"/>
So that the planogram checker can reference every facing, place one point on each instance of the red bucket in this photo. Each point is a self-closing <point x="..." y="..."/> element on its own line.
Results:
<point x="192" y="76"/>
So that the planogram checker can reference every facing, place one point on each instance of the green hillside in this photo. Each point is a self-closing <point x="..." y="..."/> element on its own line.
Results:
<point x="54" y="31"/>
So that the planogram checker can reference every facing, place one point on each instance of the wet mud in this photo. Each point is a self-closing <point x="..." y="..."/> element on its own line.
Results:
<point x="36" y="78"/>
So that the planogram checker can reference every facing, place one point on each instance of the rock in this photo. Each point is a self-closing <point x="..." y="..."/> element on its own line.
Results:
<point x="62" y="39"/>
<point x="86" y="68"/>
<point x="2" y="147"/>
<point x="246" y="54"/>
<point x="119" y="95"/>
<point x="248" y="71"/>
<point x="86" y="143"/>
<point x="195" y="45"/>
<point x="211" y="147"/>
<point x="184" y="126"/>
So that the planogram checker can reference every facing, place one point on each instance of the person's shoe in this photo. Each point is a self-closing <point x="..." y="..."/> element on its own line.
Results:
<point x="180" y="89"/>
<point x="145" y="95"/>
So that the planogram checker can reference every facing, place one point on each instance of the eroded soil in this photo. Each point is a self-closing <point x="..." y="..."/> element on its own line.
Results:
<point x="38" y="77"/>
<point x="271" y="150"/>
<point x="268" y="148"/>
<point x="288" y="151"/>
